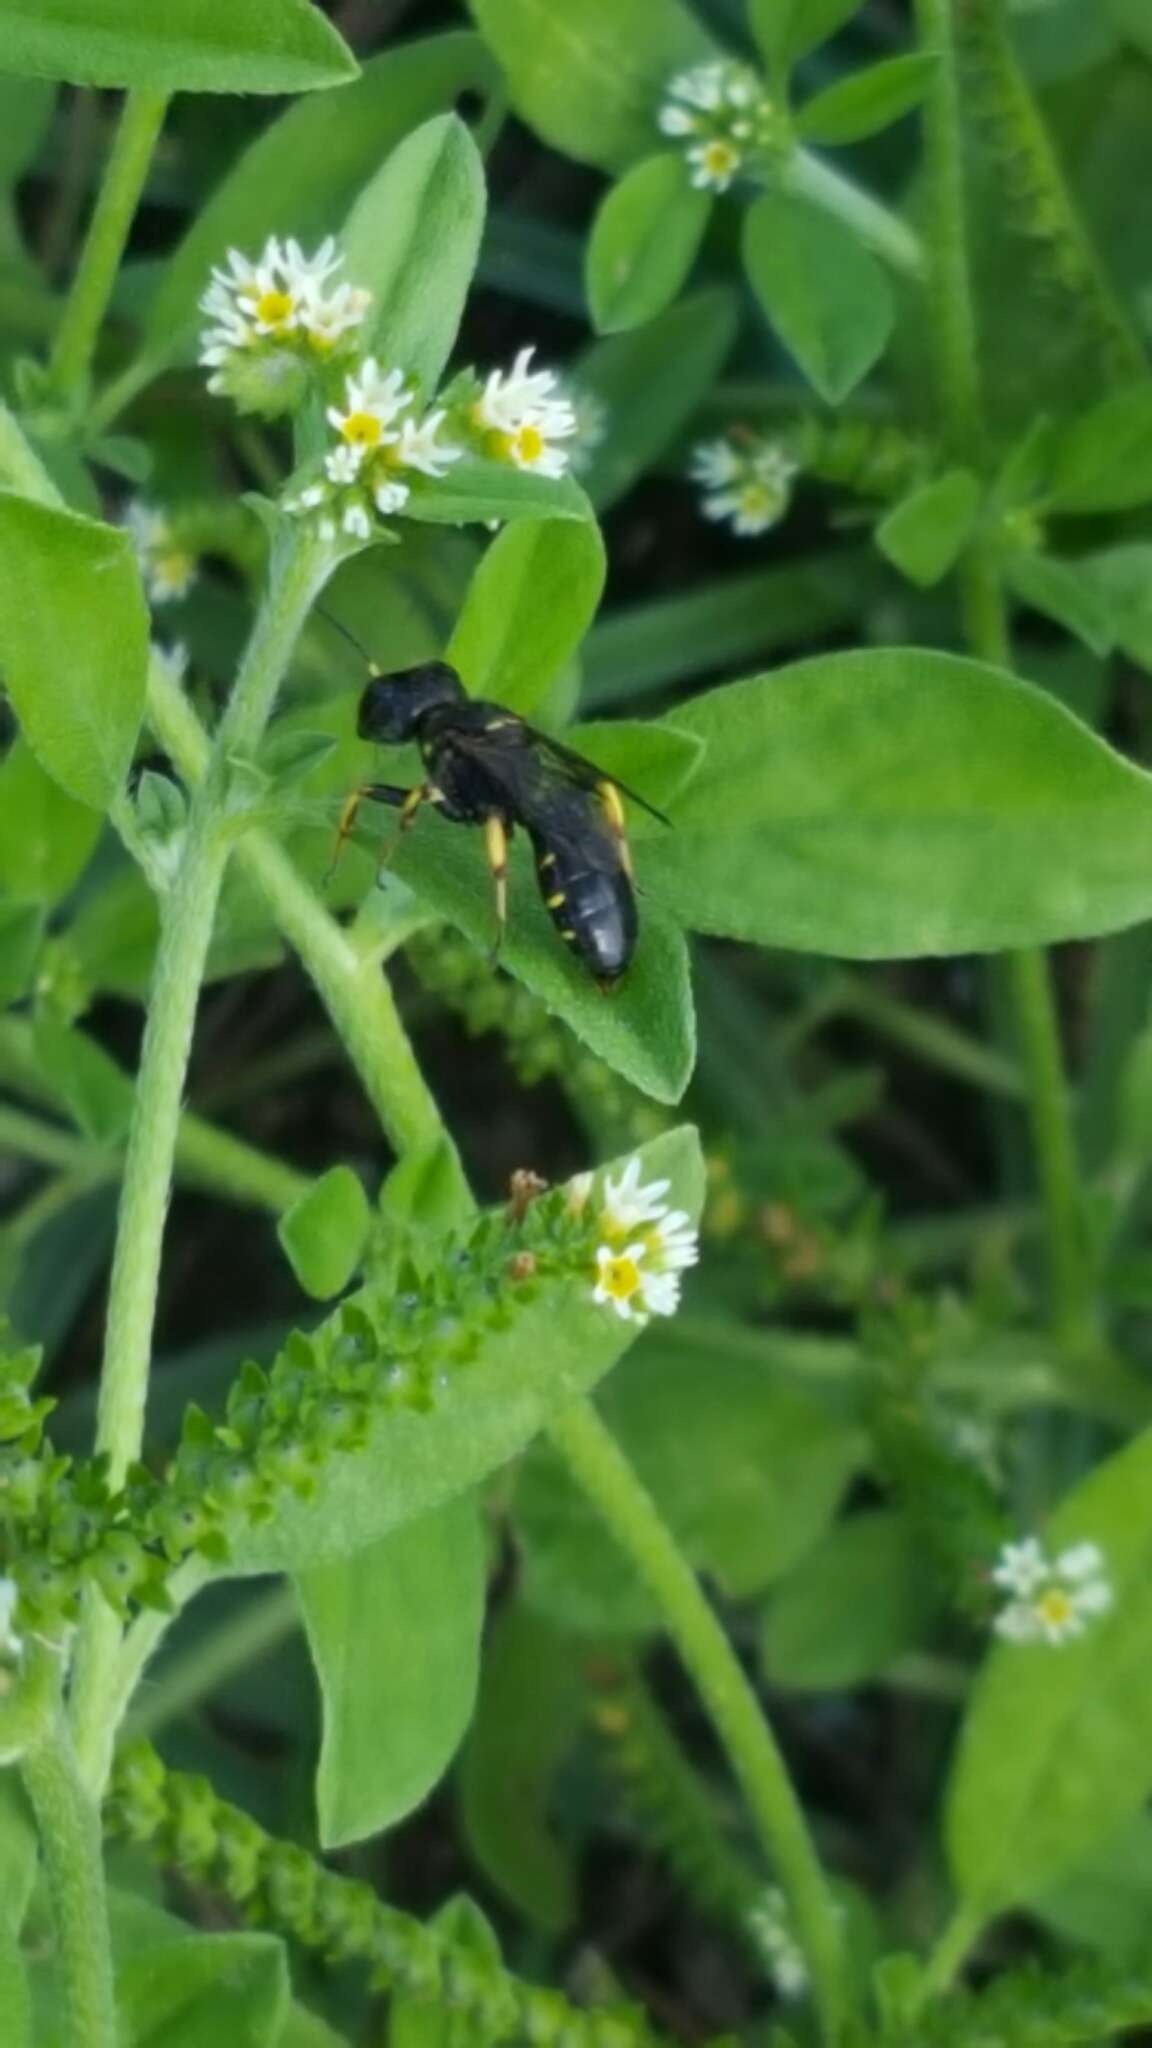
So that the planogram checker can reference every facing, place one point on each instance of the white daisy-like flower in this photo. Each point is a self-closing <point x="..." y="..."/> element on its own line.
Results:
<point x="327" y="321"/>
<point x="702" y="87"/>
<point x="342" y="464"/>
<point x="676" y="120"/>
<point x="419" y="448"/>
<point x="626" y="1283"/>
<point x="1054" y="1599"/>
<point x="523" y="414"/>
<point x="390" y="497"/>
<point x="627" y="1202"/>
<point x="355" y="522"/>
<point x="713" y="164"/>
<point x="672" y="1241"/>
<point x="269" y="316"/>
<point x="168" y="570"/>
<point x="373" y="400"/>
<point x="722" y="113"/>
<point x="715" y="463"/>
<point x="11" y="1644"/>
<point x="747" y="482"/>
<point x="769" y="1924"/>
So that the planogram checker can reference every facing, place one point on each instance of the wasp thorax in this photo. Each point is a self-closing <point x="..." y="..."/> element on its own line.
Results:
<point x="392" y="706"/>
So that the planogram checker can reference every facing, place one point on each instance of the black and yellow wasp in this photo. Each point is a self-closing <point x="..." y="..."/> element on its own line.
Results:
<point x="486" y="766"/>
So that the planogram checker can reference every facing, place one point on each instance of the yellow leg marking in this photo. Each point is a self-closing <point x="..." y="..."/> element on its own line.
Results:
<point x="554" y="902"/>
<point x="613" y="806"/>
<point x="347" y="820"/>
<point x="422" y="794"/>
<point x="496" y="848"/>
<point x="546" y="860"/>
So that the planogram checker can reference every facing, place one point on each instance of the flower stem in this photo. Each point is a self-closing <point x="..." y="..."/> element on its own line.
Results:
<point x="140" y="123"/>
<point x="604" y="1474"/>
<point x="885" y="233"/>
<point x="69" y="1828"/>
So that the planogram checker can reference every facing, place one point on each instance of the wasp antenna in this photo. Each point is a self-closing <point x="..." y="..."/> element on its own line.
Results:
<point x="349" y="636"/>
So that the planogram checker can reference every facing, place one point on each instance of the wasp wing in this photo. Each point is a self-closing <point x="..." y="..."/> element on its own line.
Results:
<point x="511" y="744"/>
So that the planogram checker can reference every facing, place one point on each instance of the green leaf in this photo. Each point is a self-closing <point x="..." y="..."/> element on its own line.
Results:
<point x="412" y="238"/>
<point x="1103" y="461"/>
<point x="324" y="1233"/>
<point x="74" y="644"/>
<point x="46" y="837"/>
<point x="21" y="935"/>
<point x="867" y="101"/>
<point x="1132" y="19"/>
<point x="590" y="78"/>
<point x="786" y="30"/>
<point x="477" y="489"/>
<point x="15" y="1993"/>
<point x="1053" y="1753"/>
<point x="18" y="1851"/>
<point x="85" y="1079"/>
<point x="649" y="384"/>
<point x="1105" y="1903"/>
<point x="657" y="761"/>
<point x="1063" y="592"/>
<point x="529" y="604"/>
<point x="644" y="241"/>
<point x="924" y="534"/>
<point x="850" y="1608"/>
<point x="748" y="1473"/>
<point x="822" y="290"/>
<point x="555" y="1346"/>
<point x="192" y="1991"/>
<point x="1123" y="578"/>
<point x="394" y="1632"/>
<point x="301" y="175"/>
<point x="901" y="802"/>
<point x="530" y="1707"/>
<point x="182" y="46"/>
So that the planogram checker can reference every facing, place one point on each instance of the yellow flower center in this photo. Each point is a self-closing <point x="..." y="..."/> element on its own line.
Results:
<point x="362" y="430"/>
<point x="1055" y="1608"/>
<point x="175" y="569"/>
<point x="757" y="499"/>
<point x="529" y="443"/>
<point x="620" y="1278"/>
<point x="274" y="308"/>
<point x="720" y="158"/>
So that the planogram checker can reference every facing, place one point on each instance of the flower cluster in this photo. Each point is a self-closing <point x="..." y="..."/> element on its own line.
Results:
<point x="769" y="1925"/>
<point x="272" y="318"/>
<point x="723" y="115"/>
<point x="1052" y="1599"/>
<point x="167" y="568"/>
<point x="644" y="1245"/>
<point x="745" y="479"/>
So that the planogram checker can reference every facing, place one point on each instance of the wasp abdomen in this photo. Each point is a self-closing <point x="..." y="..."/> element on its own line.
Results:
<point x="592" y="907"/>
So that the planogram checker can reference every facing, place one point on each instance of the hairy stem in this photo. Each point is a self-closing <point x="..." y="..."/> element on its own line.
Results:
<point x="140" y="124"/>
<point x="68" y="1823"/>
<point x="604" y="1474"/>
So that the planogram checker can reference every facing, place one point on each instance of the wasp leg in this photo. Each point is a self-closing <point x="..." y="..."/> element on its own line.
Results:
<point x="613" y="808"/>
<point x="496" y="848"/>
<point x="406" y="801"/>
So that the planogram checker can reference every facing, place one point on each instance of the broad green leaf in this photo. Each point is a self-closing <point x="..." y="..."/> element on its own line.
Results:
<point x="191" y="1992"/>
<point x="1103" y="461"/>
<point x="21" y="936"/>
<point x="304" y="2029"/>
<point x="867" y="101"/>
<point x="646" y="385"/>
<point x="897" y="803"/>
<point x="476" y="489"/>
<point x="554" y="1347"/>
<point x="747" y="1471"/>
<point x="529" y="604"/>
<point x="822" y="290"/>
<point x="301" y="175"/>
<point x="530" y="1706"/>
<point x="1053" y="1753"/>
<point x="924" y="533"/>
<point x="85" y="1079"/>
<point x="590" y="78"/>
<point x="850" y="1607"/>
<point x="15" y="1993"/>
<point x="74" y="643"/>
<point x="45" y="835"/>
<point x="181" y="46"/>
<point x="323" y="1234"/>
<point x="1106" y="1902"/>
<point x="787" y="29"/>
<point x="412" y="238"/>
<point x="1123" y="578"/>
<point x="1063" y="592"/>
<point x="394" y="1632"/>
<point x="657" y="761"/>
<point x="644" y="241"/>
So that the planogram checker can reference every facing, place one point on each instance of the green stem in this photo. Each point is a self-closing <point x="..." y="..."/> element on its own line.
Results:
<point x="1028" y="981"/>
<point x="200" y="1671"/>
<point x="602" y="1471"/>
<point x="69" y="1828"/>
<point x="958" y="1937"/>
<point x="140" y="124"/>
<point x="953" y="323"/>
<point x="889" y="236"/>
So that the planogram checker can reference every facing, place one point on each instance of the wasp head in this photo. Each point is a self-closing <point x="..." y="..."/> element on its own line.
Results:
<point x="392" y="706"/>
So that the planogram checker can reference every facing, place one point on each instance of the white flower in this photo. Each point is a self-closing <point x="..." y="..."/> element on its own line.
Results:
<point x="672" y="1241"/>
<point x="593" y="417"/>
<point x="1054" y="1599"/>
<point x="523" y="415"/>
<point x="714" y="163"/>
<point x="373" y="400"/>
<point x="11" y="1645"/>
<point x="168" y="569"/>
<point x="676" y="120"/>
<point x="342" y="464"/>
<point x="356" y="522"/>
<point x="701" y="87"/>
<point x="281" y="295"/>
<point x="579" y="1189"/>
<point x="627" y="1203"/>
<point x="715" y="463"/>
<point x="327" y="321"/>
<point x="418" y="447"/>
<point x="632" y="1288"/>
<point x="390" y="497"/>
<point x="768" y="1923"/>
<point x="747" y="481"/>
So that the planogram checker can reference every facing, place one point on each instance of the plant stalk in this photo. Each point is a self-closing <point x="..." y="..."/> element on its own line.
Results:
<point x="127" y="168"/>
<point x="69" y="1829"/>
<point x="604" y="1474"/>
